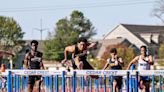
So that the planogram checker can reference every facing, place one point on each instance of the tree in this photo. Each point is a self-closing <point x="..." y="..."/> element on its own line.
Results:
<point x="161" y="51"/>
<point x="161" y="55"/>
<point x="66" y="32"/>
<point x="158" y="10"/>
<point x="127" y="54"/>
<point x="10" y="33"/>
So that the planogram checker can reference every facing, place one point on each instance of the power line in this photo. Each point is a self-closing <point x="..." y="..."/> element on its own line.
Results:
<point x="72" y="7"/>
<point x="84" y="4"/>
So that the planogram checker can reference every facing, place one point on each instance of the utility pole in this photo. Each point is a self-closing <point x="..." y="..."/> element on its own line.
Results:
<point x="41" y="29"/>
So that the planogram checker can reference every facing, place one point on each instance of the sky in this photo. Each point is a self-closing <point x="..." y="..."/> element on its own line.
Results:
<point x="104" y="14"/>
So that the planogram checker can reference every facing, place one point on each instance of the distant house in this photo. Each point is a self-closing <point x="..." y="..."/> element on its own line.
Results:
<point x="103" y="44"/>
<point x="149" y="35"/>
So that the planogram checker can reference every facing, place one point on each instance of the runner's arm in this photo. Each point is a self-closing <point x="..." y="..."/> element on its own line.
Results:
<point x="26" y="60"/>
<point x="68" y="49"/>
<point x="92" y="45"/>
<point x="151" y="62"/>
<point x="106" y="65"/>
<point x="42" y="65"/>
<point x="41" y="62"/>
<point x="7" y="53"/>
<point x="132" y="62"/>
<point x="121" y="62"/>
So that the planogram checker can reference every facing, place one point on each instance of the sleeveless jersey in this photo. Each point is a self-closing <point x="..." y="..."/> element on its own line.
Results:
<point x="118" y="67"/>
<point x="35" y="64"/>
<point x="82" y="55"/>
<point x="143" y="64"/>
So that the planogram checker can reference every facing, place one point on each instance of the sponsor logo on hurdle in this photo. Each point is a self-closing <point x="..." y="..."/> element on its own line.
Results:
<point x="33" y="72"/>
<point x="98" y="72"/>
<point x="36" y="72"/>
<point x="110" y="73"/>
<point x="158" y="72"/>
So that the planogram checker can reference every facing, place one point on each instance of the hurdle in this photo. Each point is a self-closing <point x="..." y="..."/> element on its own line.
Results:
<point x="54" y="81"/>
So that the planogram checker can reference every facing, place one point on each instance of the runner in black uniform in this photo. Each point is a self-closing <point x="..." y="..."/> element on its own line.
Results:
<point x="33" y="60"/>
<point x="115" y="63"/>
<point x="79" y="54"/>
<point x="82" y="57"/>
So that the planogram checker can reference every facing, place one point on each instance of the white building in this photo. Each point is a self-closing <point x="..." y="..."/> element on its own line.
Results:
<point x="138" y="35"/>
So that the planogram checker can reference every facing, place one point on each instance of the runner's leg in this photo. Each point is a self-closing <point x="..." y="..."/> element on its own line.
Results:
<point x="78" y="63"/>
<point x="38" y="85"/>
<point x="30" y="87"/>
<point x="31" y="83"/>
<point x="147" y="86"/>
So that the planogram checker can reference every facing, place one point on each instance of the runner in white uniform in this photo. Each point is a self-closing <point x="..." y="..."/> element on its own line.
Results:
<point x="144" y="61"/>
<point x="143" y="64"/>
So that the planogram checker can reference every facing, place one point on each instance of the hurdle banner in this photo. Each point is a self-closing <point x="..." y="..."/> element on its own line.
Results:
<point x="36" y="72"/>
<point x="148" y="72"/>
<point x="63" y="74"/>
<point x="78" y="72"/>
<point x="99" y="72"/>
<point x="84" y="72"/>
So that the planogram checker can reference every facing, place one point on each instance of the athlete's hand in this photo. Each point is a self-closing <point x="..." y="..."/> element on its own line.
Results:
<point x="63" y="61"/>
<point x="120" y="60"/>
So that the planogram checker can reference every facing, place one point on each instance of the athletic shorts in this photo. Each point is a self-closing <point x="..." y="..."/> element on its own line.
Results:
<point x="73" y="64"/>
<point x="118" y="79"/>
<point x="87" y="66"/>
<point x="33" y="79"/>
<point x="145" y="78"/>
